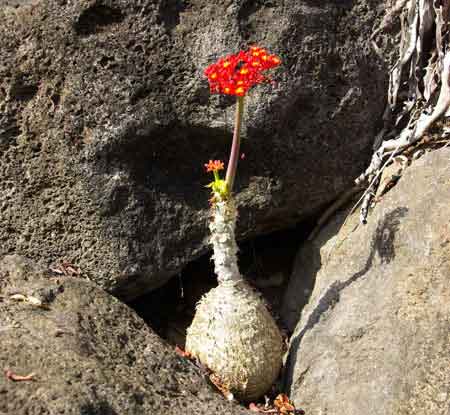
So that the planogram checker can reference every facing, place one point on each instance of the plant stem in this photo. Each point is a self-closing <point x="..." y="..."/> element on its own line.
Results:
<point x="234" y="155"/>
<point x="223" y="240"/>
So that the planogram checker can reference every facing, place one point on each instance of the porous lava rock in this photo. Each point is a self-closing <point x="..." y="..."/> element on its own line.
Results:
<point x="374" y="336"/>
<point x="89" y="353"/>
<point x="106" y="121"/>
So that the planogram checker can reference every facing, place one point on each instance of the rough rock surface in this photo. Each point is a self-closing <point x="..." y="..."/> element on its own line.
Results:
<point x="375" y="335"/>
<point x="106" y="121"/>
<point x="90" y="354"/>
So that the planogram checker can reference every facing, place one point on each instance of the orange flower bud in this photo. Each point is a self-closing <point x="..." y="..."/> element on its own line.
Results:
<point x="214" y="165"/>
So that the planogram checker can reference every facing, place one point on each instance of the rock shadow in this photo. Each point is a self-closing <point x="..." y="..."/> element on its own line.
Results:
<point x="96" y="19"/>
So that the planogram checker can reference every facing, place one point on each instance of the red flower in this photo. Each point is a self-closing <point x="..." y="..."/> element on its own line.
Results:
<point x="213" y="166"/>
<point x="236" y="74"/>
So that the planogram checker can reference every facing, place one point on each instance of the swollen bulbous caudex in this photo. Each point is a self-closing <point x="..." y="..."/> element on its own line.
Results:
<point x="235" y="336"/>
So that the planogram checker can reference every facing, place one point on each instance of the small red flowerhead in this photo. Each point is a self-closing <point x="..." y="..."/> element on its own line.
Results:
<point x="236" y="74"/>
<point x="219" y="186"/>
<point x="213" y="166"/>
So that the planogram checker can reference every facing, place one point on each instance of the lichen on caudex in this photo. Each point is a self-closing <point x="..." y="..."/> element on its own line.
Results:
<point x="232" y="332"/>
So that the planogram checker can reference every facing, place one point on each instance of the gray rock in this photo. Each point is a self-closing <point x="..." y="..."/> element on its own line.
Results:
<point x="374" y="336"/>
<point x="90" y="354"/>
<point x="106" y="121"/>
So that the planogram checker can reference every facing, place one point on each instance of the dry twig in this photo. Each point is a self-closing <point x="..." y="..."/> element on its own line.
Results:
<point x="65" y="268"/>
<point x="33" y="301"/>
<point x="18" y="378"/>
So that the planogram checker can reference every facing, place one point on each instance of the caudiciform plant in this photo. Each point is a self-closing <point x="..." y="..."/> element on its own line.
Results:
<point x="233" y="333"/>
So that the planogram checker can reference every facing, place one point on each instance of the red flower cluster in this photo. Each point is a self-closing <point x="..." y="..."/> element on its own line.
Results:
<point x="236" y="74"/>
<point x="215" y="165"/>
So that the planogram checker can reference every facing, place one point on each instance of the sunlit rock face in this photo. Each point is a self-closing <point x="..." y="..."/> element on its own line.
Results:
<point x="374" y="336"/>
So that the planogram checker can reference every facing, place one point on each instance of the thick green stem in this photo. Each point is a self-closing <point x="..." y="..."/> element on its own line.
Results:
<point x="234" y="155"/>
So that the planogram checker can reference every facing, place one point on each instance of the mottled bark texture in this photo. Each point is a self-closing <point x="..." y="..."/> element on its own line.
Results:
<point x="234" y="334"/>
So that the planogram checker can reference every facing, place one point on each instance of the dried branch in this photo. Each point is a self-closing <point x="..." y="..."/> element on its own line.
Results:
<point x="433" y="68"/>
<point x="18" y="378"/>
<point x="407" y="48"/>
<point x="389" y="18"/>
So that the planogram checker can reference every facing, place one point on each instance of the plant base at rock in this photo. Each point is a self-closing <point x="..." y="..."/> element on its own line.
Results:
<point x="234" y="335"/>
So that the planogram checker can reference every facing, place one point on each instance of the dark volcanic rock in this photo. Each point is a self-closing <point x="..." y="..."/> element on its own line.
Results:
<point x="374" y="336"/>
<point x="90" y="354"/>
<point x="106" y="121"/>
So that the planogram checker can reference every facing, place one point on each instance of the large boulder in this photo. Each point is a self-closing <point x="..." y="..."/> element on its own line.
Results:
<point x="106" y="121"/>
<point x="374" y="337"/>
<point x="90" y="354"/>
